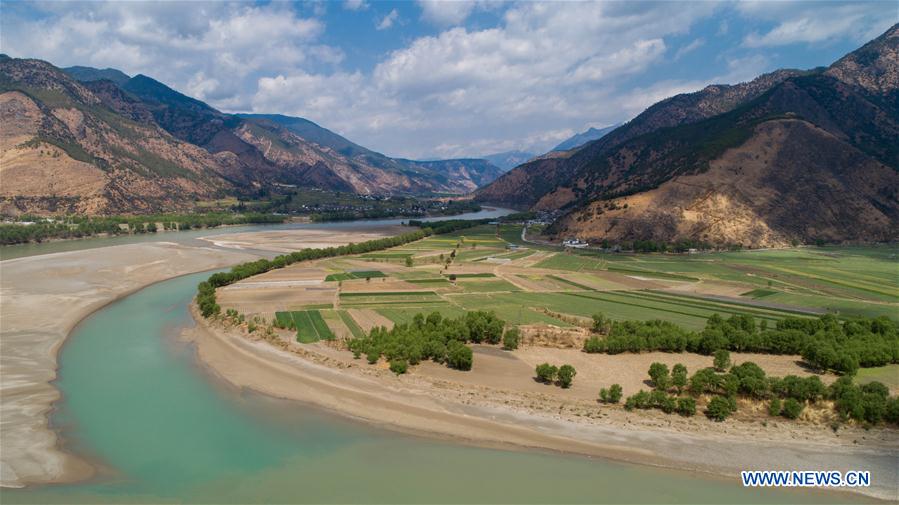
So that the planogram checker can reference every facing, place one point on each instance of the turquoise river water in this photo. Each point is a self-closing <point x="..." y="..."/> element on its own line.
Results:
<point x="164" y="430"/>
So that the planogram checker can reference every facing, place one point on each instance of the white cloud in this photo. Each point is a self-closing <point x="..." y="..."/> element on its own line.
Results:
<point x="817" y="23"/>
<point x="388" y="20"/>
<point x="525" y="81"/>
<point x="355" y="5"/>
<point x="446" y="12"/>
<point x="518" y="85"/>
<point x="213" y="51"/>
<point x="689" y="48"/>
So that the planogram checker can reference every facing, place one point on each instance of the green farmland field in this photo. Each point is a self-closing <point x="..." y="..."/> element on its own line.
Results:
<point x="311" y="326"/>
<point x="685" y="289"/>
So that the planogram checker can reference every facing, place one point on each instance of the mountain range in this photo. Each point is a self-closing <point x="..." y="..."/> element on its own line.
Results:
<point x="85" y="140"/>
<point x="789" y="156"/>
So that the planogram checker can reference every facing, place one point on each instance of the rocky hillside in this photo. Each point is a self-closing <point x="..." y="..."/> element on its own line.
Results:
<point x="98" y="141"/>
<point x="62" y="149"/>
<point x="788" y="156"/>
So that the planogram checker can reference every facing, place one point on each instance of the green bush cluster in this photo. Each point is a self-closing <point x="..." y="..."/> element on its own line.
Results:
<point x="611" y="395"/>
<point x="511" y="339"/>
<point x="721" y="407"/>
<point x="551" y="374"/>
<point x="825" y="343"/>
<point x="659" y="399"/>
<point x="434" y="337"/>
<point x="869" y="403"/>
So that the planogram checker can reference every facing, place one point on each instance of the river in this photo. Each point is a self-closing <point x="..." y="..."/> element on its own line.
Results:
<point x="162" y="429"/>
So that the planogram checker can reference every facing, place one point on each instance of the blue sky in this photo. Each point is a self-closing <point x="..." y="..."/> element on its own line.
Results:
<point x="428" y="79"/>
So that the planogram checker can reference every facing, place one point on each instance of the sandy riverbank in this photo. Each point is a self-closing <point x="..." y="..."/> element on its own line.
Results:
<point x="438" y="404"/>
<point x="42" y="298"/>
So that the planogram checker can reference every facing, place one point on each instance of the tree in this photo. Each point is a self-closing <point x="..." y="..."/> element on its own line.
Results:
<point x="452" y="277"/>
<point x="615" y="393"/>
<point x="704" y="380"/>
<point x="611" y="395"/>
<point x="510" y="339"/>
<point x="546" y="373"/>
<point x="774" y="408"/>
<point x="600" y="323"/>
<point x="458" y="355"/>
<point x="641" y="400"/>
<point x="679" y="377"/>
<point x="667" y="404"/>
<point x="722" y="360"/>
<point x="658" y="372"/>
<point x="399" y="366"/>
<point x="686" y="406"/>
<point x="566" y="375"/>
<point x="891" y="414"/>
<point x="409" y="262"/>
<point x="791" y="408"/>
<point x="719" y="409"/>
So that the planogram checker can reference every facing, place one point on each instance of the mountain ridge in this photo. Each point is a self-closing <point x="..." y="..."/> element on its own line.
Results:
<point x="627" y="176"/>
<point x="134" y="139"/>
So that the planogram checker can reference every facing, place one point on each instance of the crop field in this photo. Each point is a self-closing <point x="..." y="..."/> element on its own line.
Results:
<point x="310" y="325"/>
<point x="685" y="289"/>
<point x="351" y="323"/>
<point x="364" y="274"/>
<point x="470" y="286"/>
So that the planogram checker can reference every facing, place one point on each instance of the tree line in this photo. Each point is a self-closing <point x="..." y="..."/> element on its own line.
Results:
<point x="206" y="299"/>
<point x="825" y="343"/>
<point x="42" y="229"/>
<point x="786" y="396"/>
<point x="435" y="338"/>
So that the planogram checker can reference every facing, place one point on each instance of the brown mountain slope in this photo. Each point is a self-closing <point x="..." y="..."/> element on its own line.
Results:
<point x="527" y="184"/>
<point x="790" y="181"/>
<point x="701" y="179"/>
<point x="63" y="150"/>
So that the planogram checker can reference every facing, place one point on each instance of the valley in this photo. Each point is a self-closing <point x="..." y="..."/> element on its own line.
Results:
<point x="583" y="252"/>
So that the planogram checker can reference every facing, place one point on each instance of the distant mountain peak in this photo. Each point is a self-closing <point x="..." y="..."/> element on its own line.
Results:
<point x="508" y="160"/>
<point x="88" y="74"/>
<point x="579" y="139"/>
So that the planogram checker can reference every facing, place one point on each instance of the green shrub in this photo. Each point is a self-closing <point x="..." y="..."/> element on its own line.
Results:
<point x="679" y="377"/>
<point x="641" y="400"/>
<point x="547" y="373"/>
<point x="566" y="375"/>
<point x="721" y="360"/>
<point x="658" y="373"/>
<point x="611" y="395"/>
<point x="791" y="408"/>
<point x="511" y="338"/>
<point x="774" y="408"/>
<point x="686" y="406"/>
<point x="720" y="408"/>
<point x="399" y="366"/>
